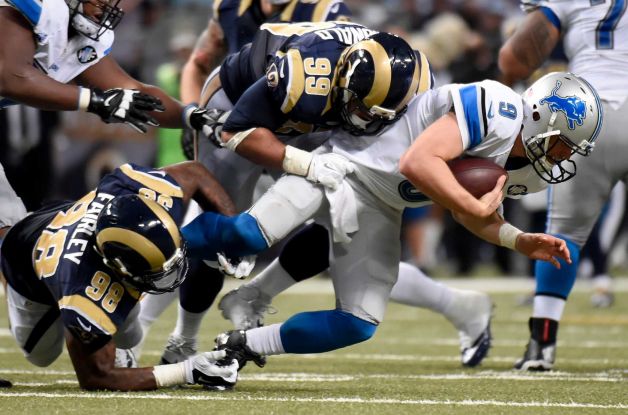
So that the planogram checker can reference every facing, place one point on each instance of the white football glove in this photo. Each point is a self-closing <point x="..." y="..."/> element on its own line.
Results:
<point x="127" y="106"/>
<point x="209" y="370"/>
<point x="239" y="270"/>
<point x="329" y="169"/>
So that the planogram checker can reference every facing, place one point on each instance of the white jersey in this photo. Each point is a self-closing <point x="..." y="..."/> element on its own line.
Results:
<point x="595" y="38"/>
<point x="489" y="117"/>
<point x="58" y="56"/>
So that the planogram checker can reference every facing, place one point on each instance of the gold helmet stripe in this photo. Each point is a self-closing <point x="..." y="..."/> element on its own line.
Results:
<point x="166" y="219"/>
<point x="140" y="244"/>
<point x="426" y="74"/>
<point x="297" y="80"/>
<point x="383" y="73"/>
<point x="412" y="91"/>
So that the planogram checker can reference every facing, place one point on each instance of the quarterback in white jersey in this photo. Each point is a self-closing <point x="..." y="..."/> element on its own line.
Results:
<point x="364" y="212"/>
<point x="595" y="39"/>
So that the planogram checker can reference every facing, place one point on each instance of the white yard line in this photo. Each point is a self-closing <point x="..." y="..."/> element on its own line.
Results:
<point x="611" y="376"/>
<point x="351" y="400"/>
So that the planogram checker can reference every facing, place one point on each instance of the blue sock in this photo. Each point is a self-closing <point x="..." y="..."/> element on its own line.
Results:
<point x="322" y="331"/>
<point x="557" y="282"/>
<point x="236" y="236"/>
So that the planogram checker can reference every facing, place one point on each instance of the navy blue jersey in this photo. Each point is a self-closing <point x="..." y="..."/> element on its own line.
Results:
<point x="240" y="19"/>
<point x="286" y="76"/>
<point x="49" y="256"/>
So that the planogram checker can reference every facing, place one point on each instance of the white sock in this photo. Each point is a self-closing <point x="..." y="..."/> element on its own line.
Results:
<point x="415" y="288"/>
<point x="548" y="307"/>
<point x="153" y="306"/>
<point x="272" y="280"/>
<point x="188" y="324"/>
<point x="265" y="340"/>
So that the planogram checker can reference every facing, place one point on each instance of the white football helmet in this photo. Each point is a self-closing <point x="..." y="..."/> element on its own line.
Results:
<point x="559" y="104"/>
<point x="90" y="26"/>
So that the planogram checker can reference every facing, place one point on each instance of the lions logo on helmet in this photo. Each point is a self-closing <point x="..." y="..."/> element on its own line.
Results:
<point x="562" y="105"/>
<point x="93" y="26"/>
<point x="377" y="78"/>
<point x="140" y="241"/>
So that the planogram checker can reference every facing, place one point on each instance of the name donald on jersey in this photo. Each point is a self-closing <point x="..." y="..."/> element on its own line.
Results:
<point x="347" y="35"/>
<point x="85" y="228"/>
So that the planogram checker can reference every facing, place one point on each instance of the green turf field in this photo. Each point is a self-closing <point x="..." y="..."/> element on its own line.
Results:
<point x="410" y="366"/>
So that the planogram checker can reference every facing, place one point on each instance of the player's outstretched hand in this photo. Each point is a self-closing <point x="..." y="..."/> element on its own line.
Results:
<point x="207" y="121"/>
<point x="329" y="169"/>
<point x="491" y="200"/>
<point x="127" y="106"/>
<point x="210" y="370"/>
<point x="543" y="247"/>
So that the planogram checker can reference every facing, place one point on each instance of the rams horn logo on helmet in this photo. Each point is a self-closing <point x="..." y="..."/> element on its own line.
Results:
<point x="574" y="108"/>
<point x="86" y="54"/>
<point x="272" y="76"/>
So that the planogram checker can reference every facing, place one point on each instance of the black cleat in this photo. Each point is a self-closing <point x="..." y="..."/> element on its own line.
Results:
<point x="537" y="357"/>
<point x="234" y="342"/>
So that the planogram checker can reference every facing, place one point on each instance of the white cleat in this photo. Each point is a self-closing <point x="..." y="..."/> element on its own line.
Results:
<point x="125" y="358"/>
<point x="473" y="312"/>
<point x="245" y="307"/>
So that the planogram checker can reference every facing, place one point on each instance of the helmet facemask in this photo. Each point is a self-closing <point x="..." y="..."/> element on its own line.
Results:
<point x="94" y="26"/>
<point x="361" y="120"/>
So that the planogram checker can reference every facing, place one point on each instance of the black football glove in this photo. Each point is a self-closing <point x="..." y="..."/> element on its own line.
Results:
<point x="127" y="106"/>
<point x="209" y="122"/>
<point x="187" y="142"/>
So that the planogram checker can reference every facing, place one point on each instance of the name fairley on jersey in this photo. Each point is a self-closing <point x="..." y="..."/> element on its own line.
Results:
<point x="85" y="228"/>
<point x="347" y="35"/>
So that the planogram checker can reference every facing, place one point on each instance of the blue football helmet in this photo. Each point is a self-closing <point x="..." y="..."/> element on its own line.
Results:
<point x="562" y="105"/>
<point x="377" y="78"/>
<point x="94" y="26"/>
<point x="139" y="240"/>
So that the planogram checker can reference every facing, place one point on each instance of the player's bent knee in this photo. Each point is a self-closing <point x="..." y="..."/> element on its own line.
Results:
<point x="307" y="253"/>
<point x="323" y="331"/>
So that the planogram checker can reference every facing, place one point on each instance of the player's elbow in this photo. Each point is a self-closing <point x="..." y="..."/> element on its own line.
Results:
<point x="409" y="167"/>
<point x="512" y="68"/>
<point x="13" y="80"/>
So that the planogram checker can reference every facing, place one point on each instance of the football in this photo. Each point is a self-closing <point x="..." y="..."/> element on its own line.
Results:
<point x="478" y="176"/>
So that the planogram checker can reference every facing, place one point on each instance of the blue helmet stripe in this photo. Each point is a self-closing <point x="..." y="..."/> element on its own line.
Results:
<point x="469" y="98"/>
<point x="31" y="9"/>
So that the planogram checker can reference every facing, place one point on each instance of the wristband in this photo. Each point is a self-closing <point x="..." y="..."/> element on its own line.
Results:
<point x="187" y="111"/>
<point x="85" y="96"/>
<point x="296" y="161"/>
<point x="508" y="235"/>
<point x="170" y="375"/>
